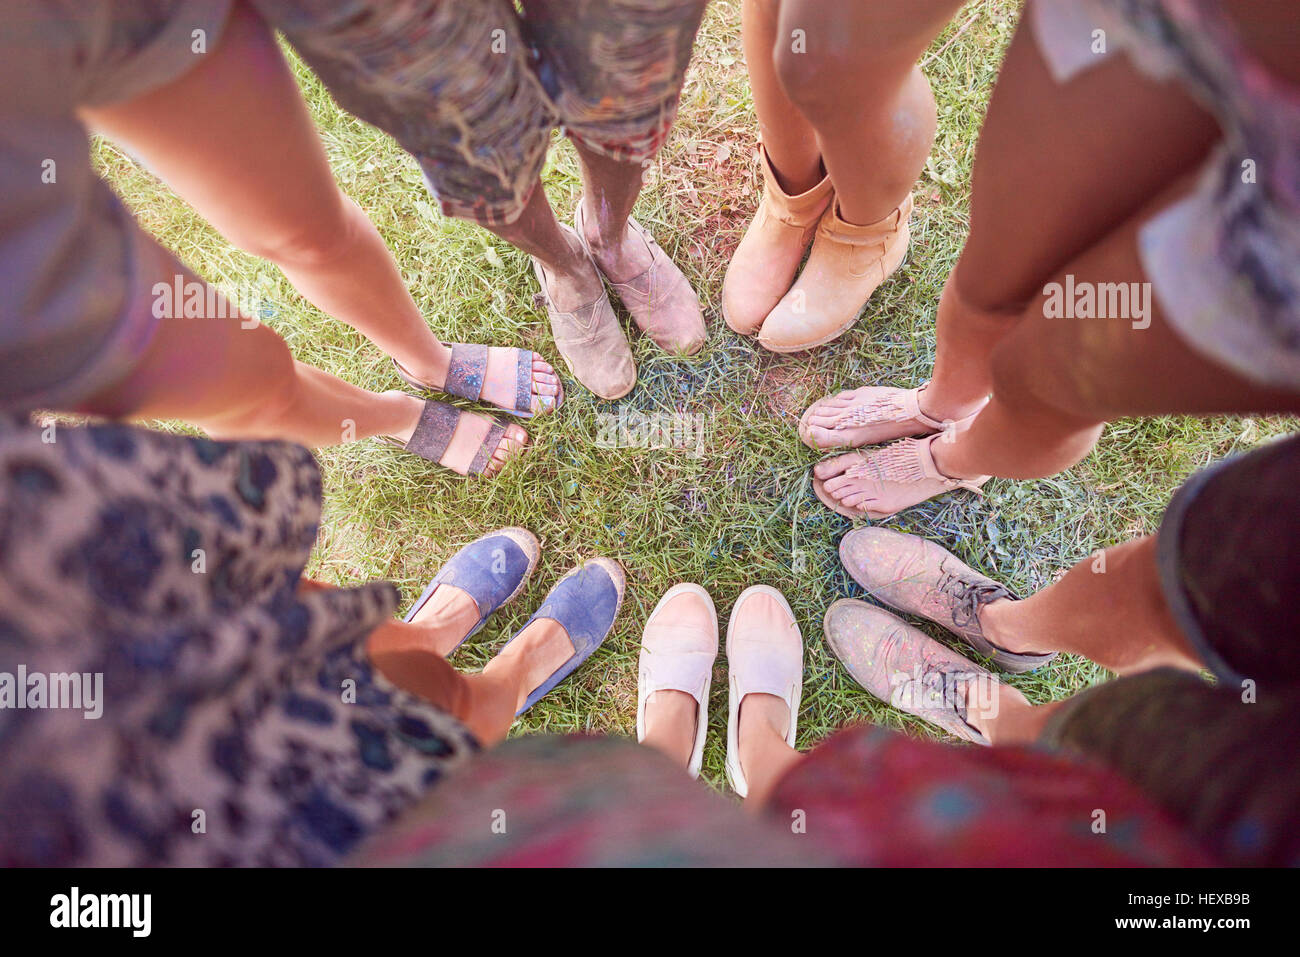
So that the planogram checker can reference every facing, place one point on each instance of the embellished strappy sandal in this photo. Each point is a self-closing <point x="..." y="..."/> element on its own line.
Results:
<point x="887" y="480"/>
<point x="435" y="429"/>
<point x="468" y="372"/>
<point x="878" y="413"/>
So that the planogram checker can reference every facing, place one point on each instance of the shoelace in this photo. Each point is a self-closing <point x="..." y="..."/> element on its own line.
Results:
<point x="968" y="596"/>
<point x="948" y="691"/>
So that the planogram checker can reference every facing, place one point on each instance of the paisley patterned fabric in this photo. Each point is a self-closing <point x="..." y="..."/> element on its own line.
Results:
<point x="474" y="90"/>
<point x="241" y="721"/>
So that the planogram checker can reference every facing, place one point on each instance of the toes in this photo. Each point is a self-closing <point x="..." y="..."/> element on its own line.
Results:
<point x="824" y="417"/>
<point x="858" y="499"/>
<point x="547" y="390"/>
<point x="841" y="485"/>
<point x="826" y="423"/>
<point x="515" y="438"/>
<point x="512" y="441"/>
<point x="823" y="437"/>
<point x="843" y="399"/>
<point x="835" y="466"/>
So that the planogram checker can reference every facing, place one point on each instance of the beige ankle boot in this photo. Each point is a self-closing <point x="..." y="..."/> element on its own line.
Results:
<point x="765" y="262"/>
<point x="846" y="265"/>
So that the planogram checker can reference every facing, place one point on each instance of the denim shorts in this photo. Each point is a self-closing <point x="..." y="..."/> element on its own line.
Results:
<point x="474" y="90"/>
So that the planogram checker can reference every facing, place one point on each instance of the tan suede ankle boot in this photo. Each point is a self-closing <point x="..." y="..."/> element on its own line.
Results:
<point x="765" y="262"/>
<point x="845" y="266"/>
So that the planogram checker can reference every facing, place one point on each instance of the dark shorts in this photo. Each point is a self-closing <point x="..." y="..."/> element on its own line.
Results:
<point x="473" y="90"/>
<point x="1223" y="759"/>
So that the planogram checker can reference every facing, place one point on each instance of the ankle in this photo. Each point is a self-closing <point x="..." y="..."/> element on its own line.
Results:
<point x="531" y="657"/>
<point x="671" y="719"/>
<point x="600" y="232"/>
<point x="947" y="407"/>
<point x="508" y="673"/>
<point x="761" y="727"/>
<point x="402" y="415"/>
<point x="445" y="627"/>
<point x="1000" y="623"/>
<point x="575" y="266"/>
<point x="486" y="707"/>
<point x="1016" y="721"/>
<point x="946" y="451"/>
<point x="795" y="180"/>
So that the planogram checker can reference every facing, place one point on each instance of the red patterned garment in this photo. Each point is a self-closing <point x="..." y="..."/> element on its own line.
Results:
<point x="866" y="797"/>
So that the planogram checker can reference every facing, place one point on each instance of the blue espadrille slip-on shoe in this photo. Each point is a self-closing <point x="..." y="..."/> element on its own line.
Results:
<point x="493" y="569"/>
<point x="585" y="603"/>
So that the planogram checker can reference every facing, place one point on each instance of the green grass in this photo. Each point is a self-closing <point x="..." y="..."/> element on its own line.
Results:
<point x="744" y="512"/>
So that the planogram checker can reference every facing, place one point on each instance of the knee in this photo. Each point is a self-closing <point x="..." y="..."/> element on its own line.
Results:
<point x="312" y="242"/>
<point x="828" y="76"/>
<point x="979" y="288"/>
<point x="270" y="393"/>
<point x="813" y="84"/>
<point x="1038" y="389"/>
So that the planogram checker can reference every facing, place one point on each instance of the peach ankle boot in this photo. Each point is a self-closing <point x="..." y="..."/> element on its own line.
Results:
<point x="765" y="262"/>
<point x="845" y="266"/>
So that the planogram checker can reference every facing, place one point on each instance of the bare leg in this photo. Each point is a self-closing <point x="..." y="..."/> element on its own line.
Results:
<point x="1103" y="145"/>
<point x="610" y="189"/>
<point x="485" y="702"/>
<point x="1110" y="608"/>
<point x="1013" y="721"/>
<point x="764" y="755"/>
<point x="788" y="137"/>
<point x="857" y="84"/>
<point x="1056" y="381"/>
<point x="670" y="718"/>
<point x="538" y="233"/>
<point x="234" y="138"/>
<point x="239" y="382"/>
